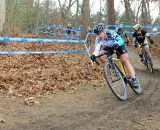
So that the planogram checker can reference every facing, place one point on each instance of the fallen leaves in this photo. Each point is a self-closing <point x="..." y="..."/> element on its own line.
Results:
<point x="30" y="75"/>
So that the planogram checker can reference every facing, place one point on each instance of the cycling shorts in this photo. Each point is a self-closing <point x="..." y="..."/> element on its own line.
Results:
<point x="120" y="51"/>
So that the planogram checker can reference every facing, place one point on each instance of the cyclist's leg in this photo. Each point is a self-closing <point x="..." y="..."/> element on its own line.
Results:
<point x="134" y="82"/>
<point x="102" y="58"/>
<point x="123" y="56"/>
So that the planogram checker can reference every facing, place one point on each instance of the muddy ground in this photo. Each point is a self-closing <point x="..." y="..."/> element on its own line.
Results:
<point x="70" y="94"/>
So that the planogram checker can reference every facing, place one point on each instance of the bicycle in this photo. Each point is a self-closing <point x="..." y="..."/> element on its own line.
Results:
<point x="116" y="77"/>
<point x="146" y="59"/>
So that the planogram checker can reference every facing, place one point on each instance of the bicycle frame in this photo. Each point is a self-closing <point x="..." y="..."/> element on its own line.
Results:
<point x="120" y="66"/>
<point x="117" y="61"/>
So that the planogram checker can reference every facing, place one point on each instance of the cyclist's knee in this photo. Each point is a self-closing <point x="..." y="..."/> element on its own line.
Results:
<point x="124" y="58"/>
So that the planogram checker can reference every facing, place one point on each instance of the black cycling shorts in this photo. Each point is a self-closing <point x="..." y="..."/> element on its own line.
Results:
<point x="121" y="50"/>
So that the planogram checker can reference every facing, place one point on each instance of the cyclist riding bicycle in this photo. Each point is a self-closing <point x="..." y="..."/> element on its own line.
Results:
<point x="123" y="35"/>
<point x="141" y="37"/>
<point x="110" y="40"/>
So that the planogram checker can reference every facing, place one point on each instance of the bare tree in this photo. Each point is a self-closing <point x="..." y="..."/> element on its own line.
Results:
<point x="129" y="13"/>
<point x="65" y="9"/>
<point x="2" y="14"/>
<point x="85" y="17"/>
<point x="110" y="12"/>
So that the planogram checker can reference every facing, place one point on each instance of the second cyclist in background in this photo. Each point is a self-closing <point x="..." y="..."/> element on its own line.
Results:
<point x="121" y="32"/>
<point x="141" y="37"/>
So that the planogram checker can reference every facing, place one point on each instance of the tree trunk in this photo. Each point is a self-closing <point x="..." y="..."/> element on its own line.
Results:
<point x="129" y="13"/>
<point x="144" y="13"/>
<point x="65" y="10"/>
<point x="46" y="12"/>
<point x="85" y="18"/>
<point x="110" y="12"/>
<point x="2" y="14"/>
<point x="148" y="12"/>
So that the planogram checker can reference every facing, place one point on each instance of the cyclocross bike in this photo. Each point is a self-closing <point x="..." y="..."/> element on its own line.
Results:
<point x="146" y="58"/>
<point x="116" y="77"/>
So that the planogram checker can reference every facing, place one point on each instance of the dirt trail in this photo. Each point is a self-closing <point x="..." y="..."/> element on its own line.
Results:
<point x="91" y="107"/>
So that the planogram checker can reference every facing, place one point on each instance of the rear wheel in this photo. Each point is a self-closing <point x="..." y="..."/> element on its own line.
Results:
<point x="115" y="81"/>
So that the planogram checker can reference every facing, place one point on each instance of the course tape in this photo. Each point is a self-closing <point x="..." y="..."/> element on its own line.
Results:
<point x="127" y="26"/>
<point x="9" y="39"/>
<point x="43" y="52"/>
<point x="49" y="27"/>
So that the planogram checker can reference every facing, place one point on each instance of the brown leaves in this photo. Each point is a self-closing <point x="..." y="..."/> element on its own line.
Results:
<point x="29" y="75"/>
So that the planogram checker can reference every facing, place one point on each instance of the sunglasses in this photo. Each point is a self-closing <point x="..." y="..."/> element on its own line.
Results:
<point x="137" y="30"/>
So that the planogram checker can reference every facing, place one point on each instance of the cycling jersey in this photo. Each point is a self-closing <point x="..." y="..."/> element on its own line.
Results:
<point x="139" y="37"/>
<point x="112" y="38"/>
<point x="144" y="38"/>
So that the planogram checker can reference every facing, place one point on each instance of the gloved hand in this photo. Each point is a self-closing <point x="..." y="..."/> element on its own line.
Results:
<point x="93" y="57"/>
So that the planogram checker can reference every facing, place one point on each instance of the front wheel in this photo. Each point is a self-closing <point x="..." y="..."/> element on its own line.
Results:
<point x="147" y="61"/>
<point x="115" y="81"/>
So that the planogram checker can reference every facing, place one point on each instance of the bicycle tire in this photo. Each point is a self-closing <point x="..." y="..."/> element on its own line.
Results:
<point x="144" y="58"/>
<point x="109" y="68"/>
<point x="137" y="90"/>
<point x="149" y="63"/>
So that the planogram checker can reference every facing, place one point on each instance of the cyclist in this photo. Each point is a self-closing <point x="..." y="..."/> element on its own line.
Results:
<point x="141" y="37"/>
<point x="107" y="39"/>
<point x="69" y="29"/>
<point x="123" y="35"/>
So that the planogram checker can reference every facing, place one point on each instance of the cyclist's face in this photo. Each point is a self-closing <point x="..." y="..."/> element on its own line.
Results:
<point x="120" y="32"/>
<point x="102" y="35"/>
<point x="138" y="31"/>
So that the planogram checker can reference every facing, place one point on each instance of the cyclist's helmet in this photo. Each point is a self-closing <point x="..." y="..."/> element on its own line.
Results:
<point x="137" y="27"/>
<point x="111" y="27"/>
<point x="69" y="25"/>
<point x="120" y="30"/>
<point x="99" y="28"/>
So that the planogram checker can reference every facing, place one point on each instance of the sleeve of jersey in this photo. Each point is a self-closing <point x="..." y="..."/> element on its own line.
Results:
<point x="119" y="40"/>
<point x="97" y="48"/>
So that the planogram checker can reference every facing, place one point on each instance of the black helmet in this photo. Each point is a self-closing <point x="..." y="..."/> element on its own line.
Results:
<point x="99" y="28"/>
<point x="111" y="27"/>
<point x="120" y="30"/>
